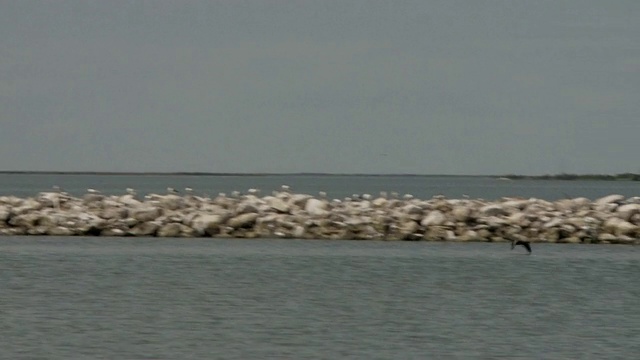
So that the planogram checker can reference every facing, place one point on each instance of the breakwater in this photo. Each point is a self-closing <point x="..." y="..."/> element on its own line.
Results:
<point x="286" y="214"/>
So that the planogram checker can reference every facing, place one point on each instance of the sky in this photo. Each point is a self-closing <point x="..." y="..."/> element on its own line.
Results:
<point x="357" y="86"/>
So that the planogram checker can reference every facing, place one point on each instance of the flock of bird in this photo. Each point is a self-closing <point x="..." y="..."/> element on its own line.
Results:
<point x="286" y="188"/>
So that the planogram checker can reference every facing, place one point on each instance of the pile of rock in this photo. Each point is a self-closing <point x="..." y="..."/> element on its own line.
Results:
<point x="611" y="219"/>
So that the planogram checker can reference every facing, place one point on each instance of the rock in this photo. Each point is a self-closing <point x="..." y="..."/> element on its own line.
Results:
<point x="407" y="228"/>
<point x="243" y="220"/>
<point x="461" y="213"/>
<point x="59" y="231"/>
<point x="434" y="218"/>
<point x="145" y="214"/>
<point x="129" y="200"/>
<point x="494" y="210"/>
<point x="112" y="232"/>
<point x="435" y="233"/>
<point x="114" y="213"/>
<point x="208" y="224"/>
<point x="24" y="221"/>
<point x="555" y="222"/>
<point x="609" y="199"/>
<point x="606" y="237"/>
<point x="277" y="204"/>
<point x="4" y="213"/>
<point x="315" y="207"/>
<point x="148" y="228"/>
<point x="92" y="198"/>
<point x="625" y="212"/>
<point x="170" y="230"/>
<point x="610" y="219"/>
<point x="625" y="240"/>
<point x="379" y="202"/>
<point x="618" y="227"/>
<point x="171" y="202"/>
<point x="300" y="200"/>
<point x="298" y="231"/>
<point x="570" y="240"/>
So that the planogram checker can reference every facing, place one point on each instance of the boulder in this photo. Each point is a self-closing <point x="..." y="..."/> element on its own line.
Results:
<point x="461" y="213"/>
<point x="207" y="224"/>
<point x="434" y="218"/>
<point x="315" y="207"/>
<point x="494" y="210"/>
<point x="277" y="204"/>
<point x="170" y="230"/>
<point x="4" y="213"/>
<point x="114" y="213"/>
<point x="147" y="213"/>
<point x="60" y="231"/>
<point x="243" y="220"/>
<point x="609" y="199"/>
<point x="618" y="227"/>
<point x="626" y="211"/>
<point x="148" y="228"/>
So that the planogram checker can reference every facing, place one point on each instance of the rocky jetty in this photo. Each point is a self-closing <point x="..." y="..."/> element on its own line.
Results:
<point x="284" y="214"/>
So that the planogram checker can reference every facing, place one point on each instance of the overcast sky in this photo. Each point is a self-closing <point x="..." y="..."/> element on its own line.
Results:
<point x="347" y="86"/>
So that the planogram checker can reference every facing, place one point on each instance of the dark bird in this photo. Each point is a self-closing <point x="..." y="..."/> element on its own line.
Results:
<point x="521" y="242"/>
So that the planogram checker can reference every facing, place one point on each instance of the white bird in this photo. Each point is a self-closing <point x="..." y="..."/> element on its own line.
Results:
<point x="93" y="191"/>
<point x="171" y="190"/>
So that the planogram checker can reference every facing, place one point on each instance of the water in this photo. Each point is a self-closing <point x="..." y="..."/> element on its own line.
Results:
<point x="105" y="298"/>
<point x="336" y="186"/>
<point x="96" y="298"/>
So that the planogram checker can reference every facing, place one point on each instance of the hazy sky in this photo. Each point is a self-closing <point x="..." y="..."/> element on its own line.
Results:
<point x="346" y="86"/>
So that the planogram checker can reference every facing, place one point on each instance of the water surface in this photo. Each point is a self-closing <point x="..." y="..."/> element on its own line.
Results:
<point x="109" y="298"/>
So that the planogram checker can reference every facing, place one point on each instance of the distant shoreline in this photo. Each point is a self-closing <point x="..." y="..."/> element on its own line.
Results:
<point x="568" y="177"/>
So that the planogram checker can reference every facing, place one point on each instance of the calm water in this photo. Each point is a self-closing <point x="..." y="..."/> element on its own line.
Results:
<point x="336" y="186"/>
<point x="89" y="298"/>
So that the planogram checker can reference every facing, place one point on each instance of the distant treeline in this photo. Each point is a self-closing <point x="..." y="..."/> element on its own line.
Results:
<point x="563" y="176"/>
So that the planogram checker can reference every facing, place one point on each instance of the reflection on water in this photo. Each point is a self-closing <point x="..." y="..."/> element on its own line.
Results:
<point x="254" y="299"/>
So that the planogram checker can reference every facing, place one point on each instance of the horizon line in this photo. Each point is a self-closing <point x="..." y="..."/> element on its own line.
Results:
<point x="204" y="173"/>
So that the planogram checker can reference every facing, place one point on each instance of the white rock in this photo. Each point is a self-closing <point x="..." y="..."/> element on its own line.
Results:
<point x="494" y="210"/>
<point x="315" y="207"/>
<point x="242" y="220"/>
<point x="609" y="199"/>
<point x="147" y="213"/>
<point x="148" y="228"/>
<point x="626" y="211"/>
<point x="618" y="226"/>
<point x="4" y="213"/>
<point x="433" y="218"/>
<point x="277" y="204"/>
<point x="207" y="223"/>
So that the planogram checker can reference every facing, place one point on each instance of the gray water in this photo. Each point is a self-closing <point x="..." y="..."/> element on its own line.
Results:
<point x="336" y="186"/>
<point x="97" y="298"/>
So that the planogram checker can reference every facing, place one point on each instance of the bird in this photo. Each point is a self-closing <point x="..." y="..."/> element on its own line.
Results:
<point x="526" y="245"/>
